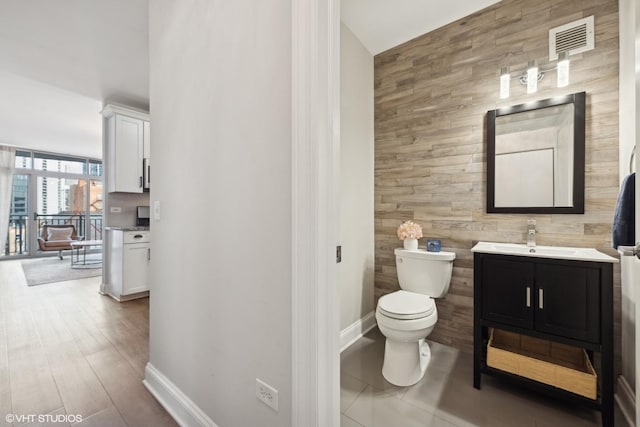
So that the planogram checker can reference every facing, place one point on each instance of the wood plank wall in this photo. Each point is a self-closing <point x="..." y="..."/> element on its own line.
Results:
<point x="431" y="97"/>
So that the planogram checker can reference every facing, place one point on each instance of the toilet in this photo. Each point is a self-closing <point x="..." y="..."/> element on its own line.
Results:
<point x="406" y="317"/>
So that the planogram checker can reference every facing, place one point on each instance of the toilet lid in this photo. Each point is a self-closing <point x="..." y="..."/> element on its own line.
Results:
<point x="406" y="305"/>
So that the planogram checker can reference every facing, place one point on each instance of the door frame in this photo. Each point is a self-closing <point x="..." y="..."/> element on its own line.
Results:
<point x="315" y="152"/>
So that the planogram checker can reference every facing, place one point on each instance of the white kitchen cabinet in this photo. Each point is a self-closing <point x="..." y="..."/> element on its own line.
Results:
<point x="135" y="268"/>
<point x="127" y="256"/>
<point x="146" y="146"/>
<point x="126" y="138"/>
<point x="146" y="164"/>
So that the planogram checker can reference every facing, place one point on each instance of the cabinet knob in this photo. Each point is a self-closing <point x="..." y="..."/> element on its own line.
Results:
<point x="541" y="299"/>
<point x="528" y="296"/>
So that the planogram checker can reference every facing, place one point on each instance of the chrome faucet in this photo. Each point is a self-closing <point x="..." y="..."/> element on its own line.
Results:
<point x="531" y="233"/>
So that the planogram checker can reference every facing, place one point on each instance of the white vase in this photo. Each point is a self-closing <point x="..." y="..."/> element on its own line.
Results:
<point x="411" y="244"/>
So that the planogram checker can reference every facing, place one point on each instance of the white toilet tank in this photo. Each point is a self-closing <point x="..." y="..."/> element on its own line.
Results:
<point x="423" y="272"/>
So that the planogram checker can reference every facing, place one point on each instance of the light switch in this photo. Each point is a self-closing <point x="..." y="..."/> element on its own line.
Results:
<point x="156" y="210"/>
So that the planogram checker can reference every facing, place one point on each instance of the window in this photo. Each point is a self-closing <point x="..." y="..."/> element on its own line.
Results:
<point x="95" y="168"/>
<point x="23" y="159"/>
<point x="54" y="163"/>
<point x="58" y="163"/>
<point x="52" y="188"/>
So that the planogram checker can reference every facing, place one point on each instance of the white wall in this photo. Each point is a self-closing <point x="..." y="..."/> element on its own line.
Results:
<point x="356" y="180"/>
<point x="627" y="97"/>
<point x="629" y="100"/>
<point x="221" y="260"/>
<point x="632" y="38"/>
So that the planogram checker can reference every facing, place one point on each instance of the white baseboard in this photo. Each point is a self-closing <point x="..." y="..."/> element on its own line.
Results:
<point x="178" y="405"/>
<point x="356" y="330"/>
<point x="626" y="400"/>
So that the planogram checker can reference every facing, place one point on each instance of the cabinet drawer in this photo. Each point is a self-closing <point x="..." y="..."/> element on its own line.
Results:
<point x="136" y="237"/>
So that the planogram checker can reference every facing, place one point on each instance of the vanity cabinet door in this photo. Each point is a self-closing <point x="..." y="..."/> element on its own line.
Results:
<point x="507" y="291"/>
<point x="568" y="301"/>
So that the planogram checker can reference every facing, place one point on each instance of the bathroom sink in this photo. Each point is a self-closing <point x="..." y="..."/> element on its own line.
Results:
<point x="541" y="250"/>
<point x="559" y="252"/>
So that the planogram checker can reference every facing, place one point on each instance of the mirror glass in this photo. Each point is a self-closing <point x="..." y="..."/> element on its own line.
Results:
<point x="535" y="157"/>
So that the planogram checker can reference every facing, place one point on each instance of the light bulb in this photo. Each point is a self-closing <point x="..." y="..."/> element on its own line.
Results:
<point x="505" y="81"/>
<point x="532" y="77"/>
<point x="563" y="69"/>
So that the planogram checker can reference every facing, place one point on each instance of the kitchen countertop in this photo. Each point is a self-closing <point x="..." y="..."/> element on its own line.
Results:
<point x="132" y="228"/>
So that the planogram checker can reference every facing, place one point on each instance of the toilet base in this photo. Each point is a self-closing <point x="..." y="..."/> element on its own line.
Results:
<point x="405" y="362"/>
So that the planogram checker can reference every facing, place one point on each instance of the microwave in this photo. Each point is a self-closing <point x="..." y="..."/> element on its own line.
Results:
<point x="142" y="216"/>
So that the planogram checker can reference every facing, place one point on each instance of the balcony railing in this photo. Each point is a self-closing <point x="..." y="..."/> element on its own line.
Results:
<point x="92" y="232"/>
<point x="18" y="242"/>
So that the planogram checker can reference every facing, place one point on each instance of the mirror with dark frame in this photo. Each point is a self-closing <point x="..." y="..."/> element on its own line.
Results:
<point x="535" y="156"/>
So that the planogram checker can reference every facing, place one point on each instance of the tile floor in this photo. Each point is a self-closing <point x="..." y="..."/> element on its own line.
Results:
<point x="66" y="349"/>
<point x="445" y="396"/>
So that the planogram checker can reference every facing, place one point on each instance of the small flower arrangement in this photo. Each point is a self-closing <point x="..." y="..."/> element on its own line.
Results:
<point x="409" y="230"/>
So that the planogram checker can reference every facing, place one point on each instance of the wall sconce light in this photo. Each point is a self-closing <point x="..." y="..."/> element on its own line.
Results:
<point x="533" y="74"/>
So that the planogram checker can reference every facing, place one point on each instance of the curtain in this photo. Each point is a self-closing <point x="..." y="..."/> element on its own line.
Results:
<point x="7" y="166"/>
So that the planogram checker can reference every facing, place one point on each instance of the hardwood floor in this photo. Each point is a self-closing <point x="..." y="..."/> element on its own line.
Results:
<point x="65" y="349"/>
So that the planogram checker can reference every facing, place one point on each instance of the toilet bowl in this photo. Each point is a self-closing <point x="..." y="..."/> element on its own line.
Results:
<point x="407" y="317"/>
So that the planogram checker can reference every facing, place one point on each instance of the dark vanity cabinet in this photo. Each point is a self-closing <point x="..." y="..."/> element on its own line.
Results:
<point x="557" y="299"/>
<point x="507" y="296"/>
<point x="565" y="301"/>
<point x="568" y="301"/>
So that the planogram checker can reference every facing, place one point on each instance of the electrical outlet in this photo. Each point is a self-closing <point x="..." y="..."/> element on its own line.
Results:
<point x="115" y="209"/>
<point x="267" y="394"/>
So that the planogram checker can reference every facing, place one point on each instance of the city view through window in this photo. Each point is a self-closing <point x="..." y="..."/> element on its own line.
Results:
<point x="51" y="189"/>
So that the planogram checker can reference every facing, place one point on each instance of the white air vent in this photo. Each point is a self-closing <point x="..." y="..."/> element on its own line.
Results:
<point x="574" y="37"/>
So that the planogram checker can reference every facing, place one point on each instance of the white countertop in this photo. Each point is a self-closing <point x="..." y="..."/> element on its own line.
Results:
<point x="554" y="252"/>
<point x="132" y="228"/>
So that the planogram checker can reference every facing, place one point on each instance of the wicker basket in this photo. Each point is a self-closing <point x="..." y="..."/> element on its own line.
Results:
<point x="555" y="364"/>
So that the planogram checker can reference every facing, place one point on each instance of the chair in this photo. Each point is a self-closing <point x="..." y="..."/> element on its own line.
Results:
<point x="57" y="238"/>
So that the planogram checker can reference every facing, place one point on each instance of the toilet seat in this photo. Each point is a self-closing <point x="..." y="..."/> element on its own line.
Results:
<point x="404" y="305"/>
